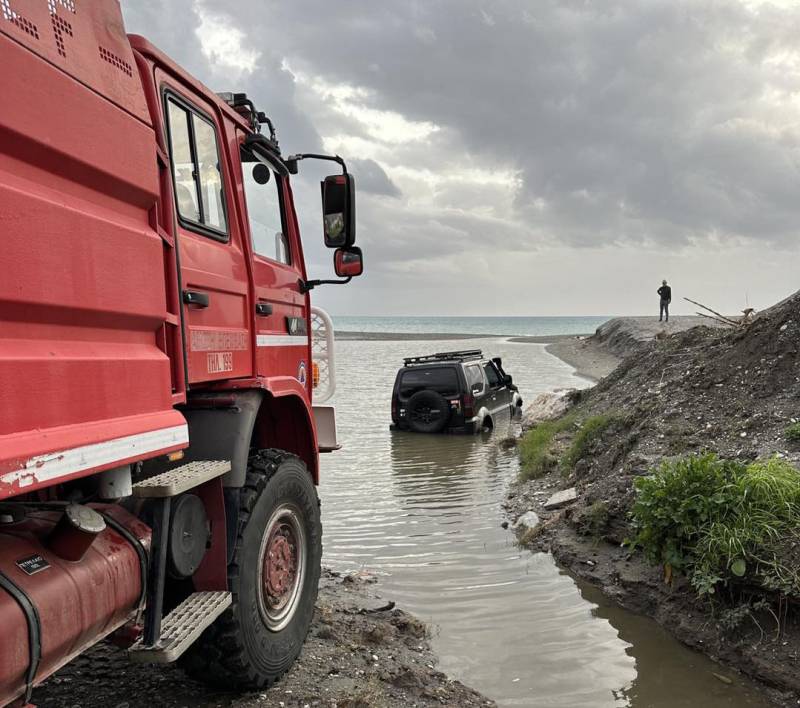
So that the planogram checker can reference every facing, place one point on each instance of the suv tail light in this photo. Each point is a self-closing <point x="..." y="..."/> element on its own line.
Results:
<point x="469" y="405"/>
<point x="394" y="409"/>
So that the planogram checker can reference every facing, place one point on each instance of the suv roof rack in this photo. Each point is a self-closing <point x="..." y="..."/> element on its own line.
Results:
<point x="463" y="355"/>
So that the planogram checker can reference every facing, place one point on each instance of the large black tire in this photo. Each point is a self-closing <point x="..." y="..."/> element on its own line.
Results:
<point x="252" y="645"/>
<point x="427" y="412"/>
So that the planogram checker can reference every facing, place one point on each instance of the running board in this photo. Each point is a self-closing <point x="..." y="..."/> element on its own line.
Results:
<point x="182" y="627"/>
<point x="181" y="479"/>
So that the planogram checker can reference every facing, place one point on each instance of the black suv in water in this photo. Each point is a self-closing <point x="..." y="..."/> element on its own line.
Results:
<point x="456" y="392"/>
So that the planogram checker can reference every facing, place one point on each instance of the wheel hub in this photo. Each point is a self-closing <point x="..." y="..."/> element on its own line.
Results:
<point x="426" y="415"/>
<point x="280" y="565"/>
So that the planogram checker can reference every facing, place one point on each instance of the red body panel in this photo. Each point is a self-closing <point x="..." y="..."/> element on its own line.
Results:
<point x="91" y="352"/>
<point x="83" y="300"/>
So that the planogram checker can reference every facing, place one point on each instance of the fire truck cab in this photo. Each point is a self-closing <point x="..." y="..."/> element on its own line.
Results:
<point x="159" y="437"/>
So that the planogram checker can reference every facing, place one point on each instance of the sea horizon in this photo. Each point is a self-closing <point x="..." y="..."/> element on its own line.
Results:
<point x="511" y="326"/>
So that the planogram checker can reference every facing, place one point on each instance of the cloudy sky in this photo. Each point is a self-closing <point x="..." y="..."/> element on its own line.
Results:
<point x="528" y="158"/>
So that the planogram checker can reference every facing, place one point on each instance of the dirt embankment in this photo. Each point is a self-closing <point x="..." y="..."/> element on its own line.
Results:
<point x="734" y="392"/>
<point x="596" y="356"/>
<point x="361" y="652"/>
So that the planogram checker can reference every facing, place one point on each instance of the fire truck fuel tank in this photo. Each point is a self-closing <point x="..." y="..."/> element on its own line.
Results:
<point x="52" y="608"/>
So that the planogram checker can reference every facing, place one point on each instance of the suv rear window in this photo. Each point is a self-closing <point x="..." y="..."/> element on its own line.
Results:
<point x="442" y="379"/>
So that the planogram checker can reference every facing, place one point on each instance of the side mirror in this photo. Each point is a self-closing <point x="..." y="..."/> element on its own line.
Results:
<point x="339" y="210"/>
<point x="348" y="262"/>
<point x="507" y="380"/>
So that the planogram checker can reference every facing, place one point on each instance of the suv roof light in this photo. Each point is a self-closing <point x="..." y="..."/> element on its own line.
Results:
<point x="463" y="355"/>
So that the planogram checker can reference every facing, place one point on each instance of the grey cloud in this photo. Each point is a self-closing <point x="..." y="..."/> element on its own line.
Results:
<point x="371" y="177"/>
<point x="628" y="119"/>
<point x="631" y="124"/>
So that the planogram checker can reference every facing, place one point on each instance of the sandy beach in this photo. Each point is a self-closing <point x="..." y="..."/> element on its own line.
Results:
<point x="588" y="359"/>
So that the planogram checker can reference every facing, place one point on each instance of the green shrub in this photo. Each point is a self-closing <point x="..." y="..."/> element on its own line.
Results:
<point x="591" y="430"/>
<point x="536" y="448"/>
<point x="793" y="433"/>
<point x="717" y="521"/>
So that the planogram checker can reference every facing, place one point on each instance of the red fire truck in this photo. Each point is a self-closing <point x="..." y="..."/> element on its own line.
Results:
<point x="158" y="442"/>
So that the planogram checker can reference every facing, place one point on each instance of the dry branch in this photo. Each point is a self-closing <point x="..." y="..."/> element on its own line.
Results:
<point x="727" y="323"/>
<point x="714" y="312"/>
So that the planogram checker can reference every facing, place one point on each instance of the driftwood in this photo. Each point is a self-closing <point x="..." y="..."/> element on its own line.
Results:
<point x="721" y="317"/>
<point x="726" y="322"/>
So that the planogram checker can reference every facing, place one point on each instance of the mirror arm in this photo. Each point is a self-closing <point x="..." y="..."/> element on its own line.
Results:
<point x="306" y="285"/>
<point x="315" y="156"/>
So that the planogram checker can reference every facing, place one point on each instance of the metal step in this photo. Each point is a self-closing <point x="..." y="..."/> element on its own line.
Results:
<point x="182" y="627"/>
<point x="181" y="479"/>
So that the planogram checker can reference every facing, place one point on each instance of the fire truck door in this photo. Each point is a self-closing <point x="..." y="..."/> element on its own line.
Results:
<point x="214" y="276"/>
<point x="282" y="342"/>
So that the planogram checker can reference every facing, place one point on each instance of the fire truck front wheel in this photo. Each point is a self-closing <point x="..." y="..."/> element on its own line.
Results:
<point x="273" y="577"/>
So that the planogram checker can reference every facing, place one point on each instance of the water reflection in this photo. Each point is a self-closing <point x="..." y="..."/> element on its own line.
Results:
<point x="664" y="677"/>
<point x="436" y="468"/>
<point x="424" y="512"/>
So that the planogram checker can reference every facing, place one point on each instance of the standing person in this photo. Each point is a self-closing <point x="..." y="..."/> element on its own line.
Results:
<point x="665" y="293"/>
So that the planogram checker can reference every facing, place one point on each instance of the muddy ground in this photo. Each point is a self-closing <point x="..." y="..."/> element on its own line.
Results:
<point x="730" y="391"/>
<point x="360" y="653"/>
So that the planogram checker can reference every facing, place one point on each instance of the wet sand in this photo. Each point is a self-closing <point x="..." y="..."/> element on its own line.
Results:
<point x="589" y="360"/>
<point x="361" y="651"/>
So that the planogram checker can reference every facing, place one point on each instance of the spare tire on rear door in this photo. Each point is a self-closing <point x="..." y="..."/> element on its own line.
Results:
<point x="428" y="412"/>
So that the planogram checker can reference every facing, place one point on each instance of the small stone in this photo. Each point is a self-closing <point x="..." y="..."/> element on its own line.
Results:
<point x="562" y="498"/>
<point x="529" y="520"/>
<point x="504" y="525"/>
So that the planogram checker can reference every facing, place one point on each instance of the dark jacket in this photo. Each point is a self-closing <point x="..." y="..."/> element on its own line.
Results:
<point x="665" y="291"/>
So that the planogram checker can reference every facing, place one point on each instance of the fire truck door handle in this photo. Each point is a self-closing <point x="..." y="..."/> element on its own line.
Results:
<point x="263" y="309"/>
<point x="195" y="297"/>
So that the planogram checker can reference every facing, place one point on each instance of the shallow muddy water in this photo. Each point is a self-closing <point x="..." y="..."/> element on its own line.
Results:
<point x="424" y="513"/>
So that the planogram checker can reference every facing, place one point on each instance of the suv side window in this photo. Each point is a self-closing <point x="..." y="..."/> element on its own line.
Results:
<point x="265" y="210"/>
<point x="475" y="379"/>
<point x="492" y="376"/>
<point x="196" y="171"/>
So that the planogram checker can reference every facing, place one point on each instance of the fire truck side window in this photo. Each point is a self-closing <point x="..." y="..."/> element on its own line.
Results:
<point x="194" y="153"/>
<point x="264" y="210"/>
<point x="210" y="174"/>
<point x="182" y="163"/>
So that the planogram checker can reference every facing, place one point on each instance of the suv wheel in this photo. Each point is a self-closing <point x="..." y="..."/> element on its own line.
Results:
<point x="427" y="412"/>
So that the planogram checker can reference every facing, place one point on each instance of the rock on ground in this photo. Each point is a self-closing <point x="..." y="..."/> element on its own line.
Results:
<point x="562" y="498"/>
<point x="529" y="520"/>
<point x="354" y="657"/>
<point x="546" y="406"/>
